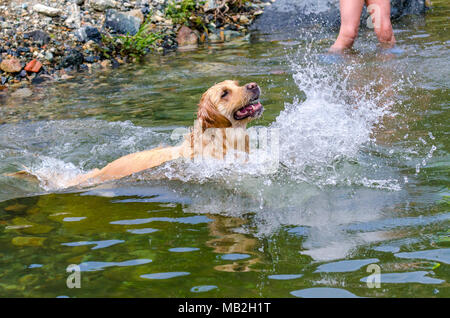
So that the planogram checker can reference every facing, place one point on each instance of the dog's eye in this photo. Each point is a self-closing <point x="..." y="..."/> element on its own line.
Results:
<point x="224" y="93"/>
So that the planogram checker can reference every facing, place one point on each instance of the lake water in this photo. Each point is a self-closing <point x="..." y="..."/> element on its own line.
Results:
<point x="362" y="175"/>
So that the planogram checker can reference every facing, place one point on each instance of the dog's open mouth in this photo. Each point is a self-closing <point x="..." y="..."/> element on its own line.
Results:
<point x="254" y="109"/>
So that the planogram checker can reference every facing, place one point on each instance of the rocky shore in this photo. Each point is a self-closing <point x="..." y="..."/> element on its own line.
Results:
<point x="42" y="40"/>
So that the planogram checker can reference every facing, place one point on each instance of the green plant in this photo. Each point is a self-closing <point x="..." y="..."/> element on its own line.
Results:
<point x="180" y="12"/>
<point x="131" y="45"/>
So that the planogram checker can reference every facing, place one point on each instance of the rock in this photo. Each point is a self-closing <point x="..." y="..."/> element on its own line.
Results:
<point x="49" y="56"/>
<point x="79" y="2"/>
<point x="73" y="58"/>
<point x="105" y="63"/>
<point x="88" y="33"/>
<point x="22" y="93"/>
<point x="404" y="7"/>
<point x="33" y="66"/>
<point x="21" y="50"/>
<point x="28" y="241"/>
<point x="122" y="22"/>
<point x="137" y="13"/>
<point x="89" y="46"/>
<point x="73" y="21"/>
<point x="145" y="10"/>
<point x="17" y="207"/>
<point x="11" y="65"/>
<point x="230" y="34"/>
<point x="186" y="37"/>
<point x="28" y="280"/>
<point x="89" y="59"/>
<point x="28" y="227"/>
<point x="102" y="5"/>
<point x="244" y="20"/>
<point x="214" y="38"/>
<point x="48" y="11"/>
<point x="38" y="36"/>
<point x="210" y="5"/>
<point x="39" y="79"/>
<point x="157" y="18"/>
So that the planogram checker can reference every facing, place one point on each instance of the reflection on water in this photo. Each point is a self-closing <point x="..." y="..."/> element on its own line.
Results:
<point x="363" y="177"/>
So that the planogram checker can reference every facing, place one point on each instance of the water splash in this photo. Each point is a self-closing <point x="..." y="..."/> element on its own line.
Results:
<point x="325" y="137"/>
<point x="56" y="151"/>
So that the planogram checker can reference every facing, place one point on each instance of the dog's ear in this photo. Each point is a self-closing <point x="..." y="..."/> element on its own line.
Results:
<point x="209" y="116"/>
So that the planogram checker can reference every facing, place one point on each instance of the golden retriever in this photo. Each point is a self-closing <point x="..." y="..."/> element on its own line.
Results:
<point x="223" y="106"/>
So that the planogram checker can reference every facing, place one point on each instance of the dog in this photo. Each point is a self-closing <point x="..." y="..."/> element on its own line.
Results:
<point x="223" y="106"/>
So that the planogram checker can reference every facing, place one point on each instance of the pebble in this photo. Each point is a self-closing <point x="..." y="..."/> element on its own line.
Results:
<point x="49" y="11"/>
<point x="28" y="241"/>
<point x="33" y="66"/>
<point x="230" y="34"/>
<point x="214" y="38"/>
<point x="38" y="80"/>
<point x="73" y="21"/>
<point x="88" y="33"/>
<point x="38" y="36"/>
<point x="49" y="56"/>
<point x="102" y="5"/>
<point x="186" y="37"/>
<point x="11" y="65"/>
<point x="73" y="59"/>
<point x="244" y="20"/>
<point x="137" y="14"/>
<point x="211" y="5"/>
<point x="22" y="93"/>
<point x="105" y="63"/>
<point x="122" y="22"/>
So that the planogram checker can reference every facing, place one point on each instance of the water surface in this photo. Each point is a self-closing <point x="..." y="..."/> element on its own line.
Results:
<point x="362" y="179"/>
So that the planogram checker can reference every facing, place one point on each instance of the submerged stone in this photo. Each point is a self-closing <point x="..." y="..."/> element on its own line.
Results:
<point x="22" y="93"/>
<point x="28" y="227"/>
<point x="28" y="241"/>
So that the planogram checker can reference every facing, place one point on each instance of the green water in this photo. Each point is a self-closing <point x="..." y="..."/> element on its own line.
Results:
<point x="363" y="176"/>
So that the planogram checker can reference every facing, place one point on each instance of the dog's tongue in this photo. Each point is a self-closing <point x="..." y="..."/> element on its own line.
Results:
<point x="247" y="109"/>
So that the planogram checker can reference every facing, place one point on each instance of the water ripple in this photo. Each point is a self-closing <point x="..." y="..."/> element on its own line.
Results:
<point x="98" y="266"/>
<point x="166" y="275"/>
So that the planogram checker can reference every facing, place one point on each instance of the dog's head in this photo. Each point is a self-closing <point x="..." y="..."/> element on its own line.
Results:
<point x="227" y="104"/>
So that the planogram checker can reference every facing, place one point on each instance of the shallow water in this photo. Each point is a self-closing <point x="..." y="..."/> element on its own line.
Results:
<point x="362" y="176"/>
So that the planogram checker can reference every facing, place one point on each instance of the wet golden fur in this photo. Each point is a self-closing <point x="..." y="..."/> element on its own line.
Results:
<point x="215" y="110"/>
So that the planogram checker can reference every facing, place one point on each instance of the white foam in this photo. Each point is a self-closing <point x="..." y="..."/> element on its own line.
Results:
<point x="322" y="138"/>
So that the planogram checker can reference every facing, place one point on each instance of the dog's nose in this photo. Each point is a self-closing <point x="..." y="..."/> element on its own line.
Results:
<point x="252" y="86"/>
